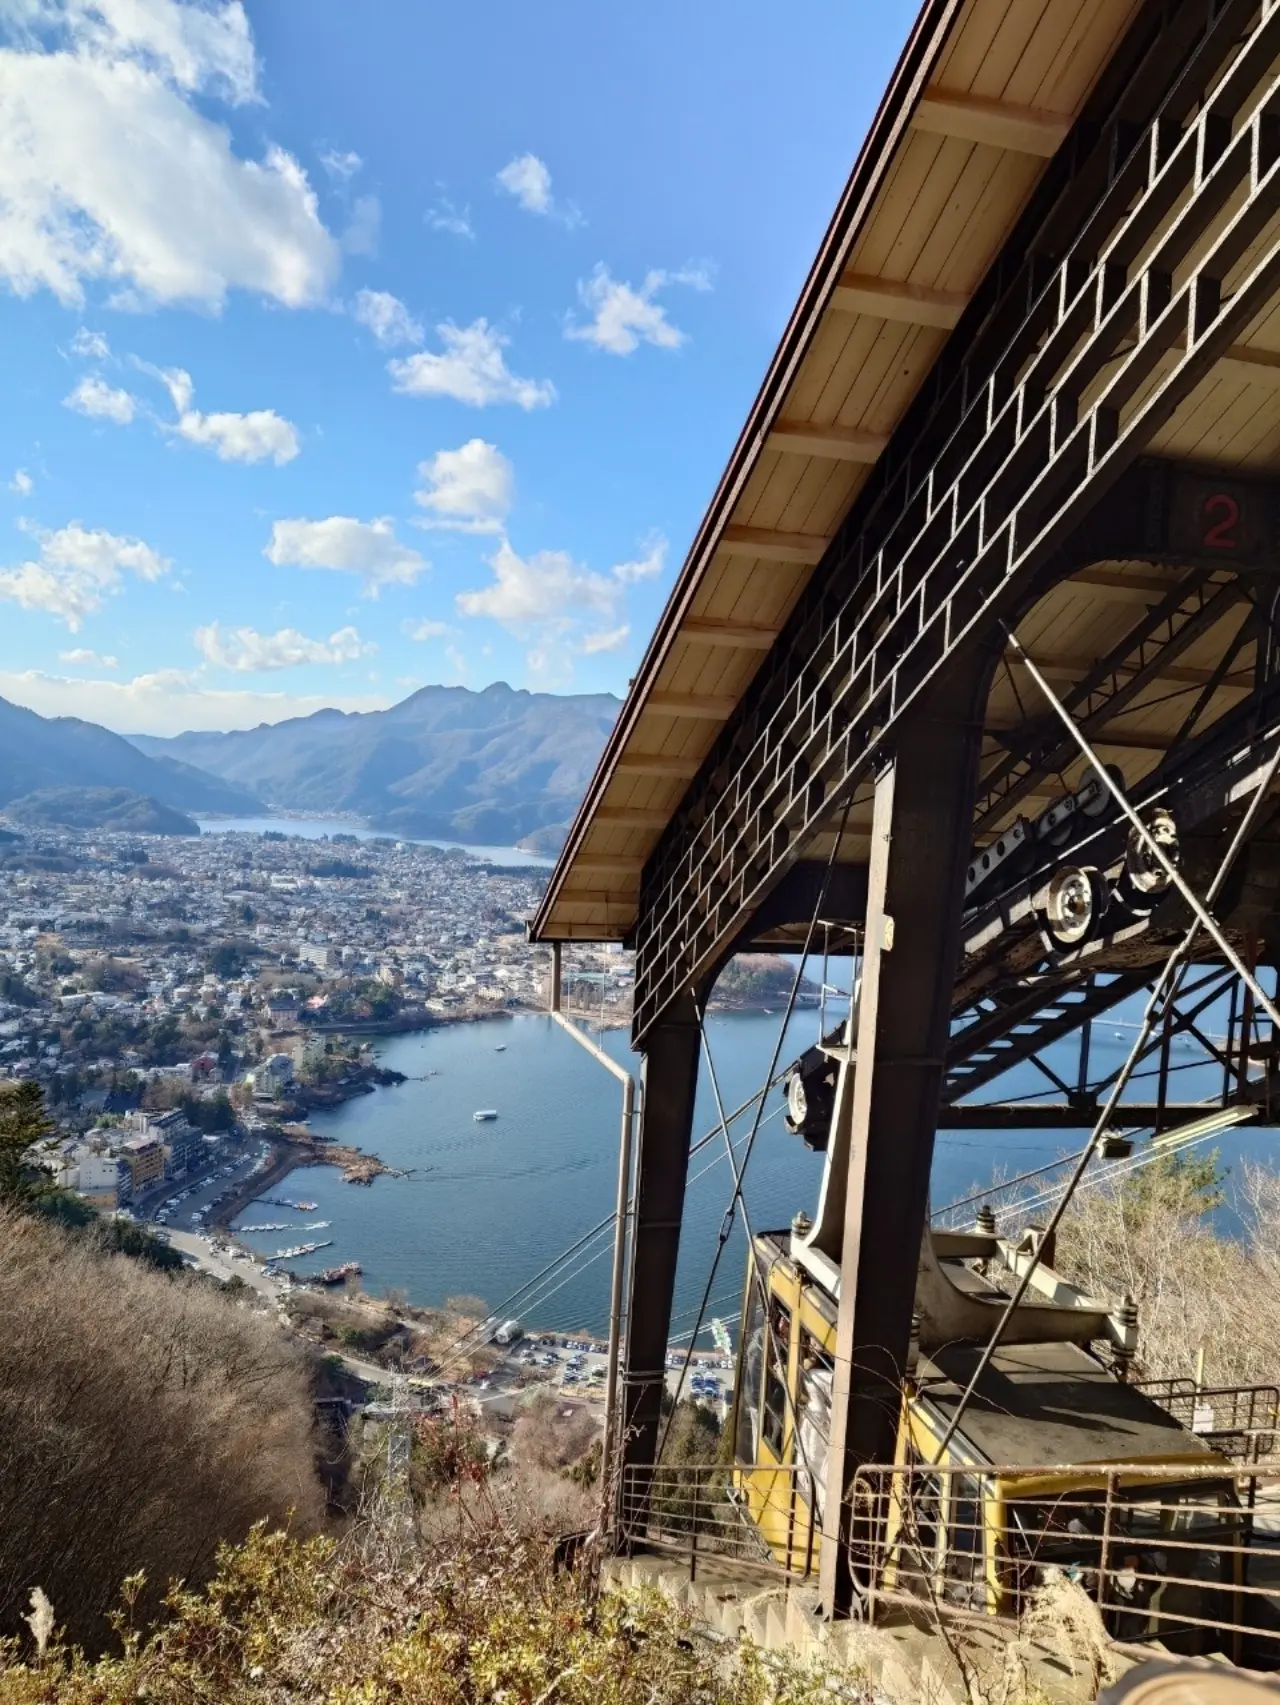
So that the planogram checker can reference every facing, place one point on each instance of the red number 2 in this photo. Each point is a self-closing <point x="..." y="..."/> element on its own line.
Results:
<point x="1221" y="535"/>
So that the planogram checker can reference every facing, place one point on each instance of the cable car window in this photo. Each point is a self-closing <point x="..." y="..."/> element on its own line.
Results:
<point x="813" y="1415"/>
<point x="964" y="1570"/>
<point x="777" y="1355"/>
<point x="746" y="1443"/>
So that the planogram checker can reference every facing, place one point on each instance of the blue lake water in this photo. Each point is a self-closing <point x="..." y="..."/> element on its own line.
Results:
<point x="324" y="828"/>
<point x="488" y="1205"/>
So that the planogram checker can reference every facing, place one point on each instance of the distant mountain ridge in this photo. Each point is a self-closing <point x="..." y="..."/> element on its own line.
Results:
<point x="38" y="752"/>
<point x="446" y="762"/>
<point x="98" y="808"/>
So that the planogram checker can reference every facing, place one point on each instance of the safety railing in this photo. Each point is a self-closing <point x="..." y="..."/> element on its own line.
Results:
<point x="756" y="1516"/>
<point x="1240" y="1421"/>
<point x="1187" y="1557"/>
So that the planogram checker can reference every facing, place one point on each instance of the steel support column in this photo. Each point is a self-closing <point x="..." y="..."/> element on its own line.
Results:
<point x="923" y="807"/>
<point x="669" y="1081"/>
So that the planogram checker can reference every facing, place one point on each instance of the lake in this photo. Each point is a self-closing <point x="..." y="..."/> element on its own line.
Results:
<point x="490" y="1204"/>
<point x="325" y="828"/>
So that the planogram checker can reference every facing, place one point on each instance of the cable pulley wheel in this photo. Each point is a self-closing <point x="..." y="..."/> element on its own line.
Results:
<point x="1145" y="876"/>
<point x="1073" y="905"/>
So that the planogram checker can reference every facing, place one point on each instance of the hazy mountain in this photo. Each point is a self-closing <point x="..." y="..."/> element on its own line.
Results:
<point x="98" y="808"/>
<point x="62" y="751"/>
<point x="448" y="762"/>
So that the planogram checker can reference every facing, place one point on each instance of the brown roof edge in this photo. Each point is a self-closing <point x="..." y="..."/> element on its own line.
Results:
<point x="911" y="75"/>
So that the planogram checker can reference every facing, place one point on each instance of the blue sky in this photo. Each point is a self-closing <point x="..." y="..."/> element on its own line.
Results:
<point x="348" y="348"/>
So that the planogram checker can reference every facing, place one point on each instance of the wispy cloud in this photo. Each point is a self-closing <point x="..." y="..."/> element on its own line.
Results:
<point x="471" y="368"/>
<point x="100" y="401"/>
<point x="245" y="650"/>
<point x="443" y="215"/>
<point x="386" y="317"/>
<point x="76" y="569"/>
<point x="347" y="546"/>
<point x="468" y="490"/>
<point x="528" y="180"/>
<point x="624" y="316"/>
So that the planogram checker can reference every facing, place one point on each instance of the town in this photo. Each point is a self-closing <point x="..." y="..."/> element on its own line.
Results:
<point x="167" y="992"/>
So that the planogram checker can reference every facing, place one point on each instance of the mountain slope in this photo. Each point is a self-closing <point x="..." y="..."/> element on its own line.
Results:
<point x="62" y="751"/>
<point x="98" y="808"/>
<point x="487" y="766"/>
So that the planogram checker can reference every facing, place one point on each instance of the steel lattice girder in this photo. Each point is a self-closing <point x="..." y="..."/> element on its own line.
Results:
<point x="927" y="564"/>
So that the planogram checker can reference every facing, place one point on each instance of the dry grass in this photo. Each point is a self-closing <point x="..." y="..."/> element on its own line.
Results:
<point x="143" y="1419"/>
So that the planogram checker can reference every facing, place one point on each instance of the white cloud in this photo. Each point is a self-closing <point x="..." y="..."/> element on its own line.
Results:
<point x="442" y="215"/>
<point x="548" y="587"/>
<point x="361" y="234"/>
<point x="245" y="650"/>
<point x="260" y="435"/>
<point x="644" y="568"/>
<point x="424" y="630"/>
<point x="386" y="317"/>
<point x="109" y="171"/>
<point x="624" y="317"/>
<point x="91" y="346"/>
<point x="168" y="701"/>
<point x="469" y="489"/>
<point x="528" y="179"/>
<point x="341" y="166"/>
<point x="101" y="401"/>
<point x="76" y="570"/>
<point x="82" y="654"/>
<point x="22" y="482"/>
<point x="470" y="369"/>
<point x="367" y="548"/>
<point x="608" y="639"/>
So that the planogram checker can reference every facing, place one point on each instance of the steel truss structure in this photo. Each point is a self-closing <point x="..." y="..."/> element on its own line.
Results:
<point x="996" y="933"/>
<point x="1055" y="387"/>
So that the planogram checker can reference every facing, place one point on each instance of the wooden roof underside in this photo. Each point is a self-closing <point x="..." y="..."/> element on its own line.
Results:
<point x="985" y="93"/>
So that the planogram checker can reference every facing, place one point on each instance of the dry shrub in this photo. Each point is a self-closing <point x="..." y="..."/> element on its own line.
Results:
<point x="142" y="1420"/>
<point x="551" y="1434"/>
<point x="485" y="1618"/>
<point x="1150" y="1236"/>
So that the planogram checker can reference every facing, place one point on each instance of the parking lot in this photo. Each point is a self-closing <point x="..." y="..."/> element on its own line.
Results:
<point x="578" y="1367"/>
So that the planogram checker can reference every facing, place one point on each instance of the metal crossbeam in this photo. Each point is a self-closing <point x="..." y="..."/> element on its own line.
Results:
<point x="1167" y="270"/>
<point x="1014" y="1030"/>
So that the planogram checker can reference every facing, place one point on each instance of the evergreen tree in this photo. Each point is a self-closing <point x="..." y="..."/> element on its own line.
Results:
<point x="23" y="1121"/>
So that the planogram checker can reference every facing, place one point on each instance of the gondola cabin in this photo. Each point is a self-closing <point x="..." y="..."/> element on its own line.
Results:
<point x="1057" y="1458"/>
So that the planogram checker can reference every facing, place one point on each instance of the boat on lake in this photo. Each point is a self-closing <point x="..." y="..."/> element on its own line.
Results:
<point x="484" y="1113"/>
<point x="340" y="1274"/>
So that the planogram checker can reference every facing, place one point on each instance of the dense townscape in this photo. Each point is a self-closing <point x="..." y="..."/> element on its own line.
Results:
<point x="162" y="990"/>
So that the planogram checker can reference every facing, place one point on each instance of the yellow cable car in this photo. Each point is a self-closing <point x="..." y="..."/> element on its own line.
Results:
<point x="1057" y="1458"/>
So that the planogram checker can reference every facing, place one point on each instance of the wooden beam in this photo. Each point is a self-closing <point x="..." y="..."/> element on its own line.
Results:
<point x="999" y="124"/>
<point x="888" y="299"/>
<point x="610" y="930"/>
<point x="1258" y="364"/>
<point x="711" y="630"/>
<point x="655" y="764"/>
<point x="630" y="817"/>
<point x="623" y="863"/>
<point x="773" y="546"/>
<point x="1118" y="587"/>
<point x="712" y="707"/>
<point x="839" y="443"/>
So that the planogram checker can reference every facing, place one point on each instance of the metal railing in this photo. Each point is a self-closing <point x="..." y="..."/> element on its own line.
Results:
<point x="1240" y="1421"/>
<point x="758" y="1517"/>
<point x="1187" y="1557"/>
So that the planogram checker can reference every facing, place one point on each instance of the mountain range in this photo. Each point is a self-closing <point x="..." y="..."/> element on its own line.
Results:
<point x="39" y="752"/>
<point x="492" y="766"/>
